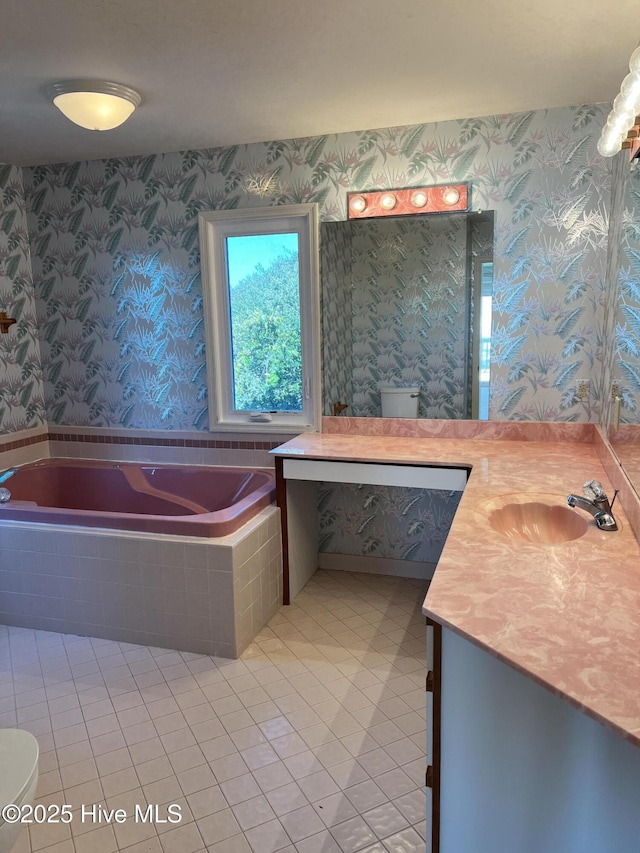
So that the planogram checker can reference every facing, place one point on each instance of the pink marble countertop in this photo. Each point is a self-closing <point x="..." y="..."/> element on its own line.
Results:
<point x="566" y="615"/>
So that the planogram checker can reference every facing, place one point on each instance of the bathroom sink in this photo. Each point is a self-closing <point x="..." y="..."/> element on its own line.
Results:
<point x="534" y="518"/>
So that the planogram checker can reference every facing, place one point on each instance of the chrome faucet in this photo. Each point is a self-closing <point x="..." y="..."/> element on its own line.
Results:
<point x="9" y="472"/>
<point x="596" y="502"/>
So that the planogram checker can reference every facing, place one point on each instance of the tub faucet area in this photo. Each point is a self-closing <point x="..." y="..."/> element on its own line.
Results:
<point x="9" y="472"/>
<point x="595" y="502"/>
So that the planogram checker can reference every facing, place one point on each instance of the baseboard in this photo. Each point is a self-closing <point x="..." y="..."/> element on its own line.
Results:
<point x="377" y="565"/>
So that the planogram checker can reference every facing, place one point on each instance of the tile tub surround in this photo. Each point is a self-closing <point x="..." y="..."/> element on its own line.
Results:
<point x="28" y="445"/>
<point x="313" y="740"/>
<point x="208" y="596"/>
<point x="184" y="447"/>
<point x="564" y="615"/>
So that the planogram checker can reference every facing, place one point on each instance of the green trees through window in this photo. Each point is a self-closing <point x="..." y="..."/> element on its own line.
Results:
<point x="266" y="347"/>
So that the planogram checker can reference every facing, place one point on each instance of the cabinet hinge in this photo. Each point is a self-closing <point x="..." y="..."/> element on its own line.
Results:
<point x="428" y="779"/>
<point x="429" y="682"/>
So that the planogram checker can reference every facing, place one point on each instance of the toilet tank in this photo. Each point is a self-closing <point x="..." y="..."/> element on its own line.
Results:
<point x="400" y="402"/>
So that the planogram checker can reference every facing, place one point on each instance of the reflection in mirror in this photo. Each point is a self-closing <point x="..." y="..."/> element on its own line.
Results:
<point x="481" y="346"/>
<point x="406" y="301"/>
<point x="625" y="436"/>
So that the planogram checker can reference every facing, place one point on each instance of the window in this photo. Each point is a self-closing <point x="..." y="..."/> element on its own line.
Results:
<point x="262" y="314"/>
<point x="482" y="338"/>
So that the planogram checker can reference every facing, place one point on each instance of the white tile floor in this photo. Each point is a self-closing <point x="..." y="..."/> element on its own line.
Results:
<point x="312" y="742"/>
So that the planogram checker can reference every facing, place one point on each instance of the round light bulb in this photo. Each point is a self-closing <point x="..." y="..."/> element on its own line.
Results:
<point x="629" y="96"/>
<point x="419" y="198"/>
<point x="451" y="196"/>
<point x="388" y="201"/>
<point x="616" y="133"/>
<point x="624" y="118"/>
<point x="618" y="123"/>
<point x="358" y="203"/>
<point x="634" y="62"/>
<point x="608" y="146"/>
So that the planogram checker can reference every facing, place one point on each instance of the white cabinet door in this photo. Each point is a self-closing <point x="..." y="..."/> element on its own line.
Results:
<point x="523" y="771"/>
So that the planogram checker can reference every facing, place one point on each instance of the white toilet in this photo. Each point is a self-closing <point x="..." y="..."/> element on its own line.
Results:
<point x="18" y="778"/>
<point x="399" y="402"/>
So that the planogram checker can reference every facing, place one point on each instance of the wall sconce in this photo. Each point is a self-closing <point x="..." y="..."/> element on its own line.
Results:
<point x="94" y="104"/>
<point x="621" y="129"/>
<point x="5" y="322"/>
<point x="405" y="202"/>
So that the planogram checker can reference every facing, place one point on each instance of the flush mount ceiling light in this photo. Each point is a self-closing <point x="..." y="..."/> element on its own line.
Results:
<point x="94" y="104"/>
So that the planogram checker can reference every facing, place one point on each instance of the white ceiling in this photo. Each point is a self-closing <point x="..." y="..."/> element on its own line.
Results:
<point x="220" y="72"/>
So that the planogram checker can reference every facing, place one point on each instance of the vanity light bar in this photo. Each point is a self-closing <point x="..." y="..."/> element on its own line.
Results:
<point x="621" y="129"/>
<point x="450" y="197"/>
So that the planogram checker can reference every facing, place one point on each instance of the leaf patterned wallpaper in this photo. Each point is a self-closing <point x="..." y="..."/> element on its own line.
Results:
<point x="21" y="389"/>
<point x="114" y="250"/>
<point x="627" y="363"/>
<point x="385" y="521"/>
<point x="336" y="309"/>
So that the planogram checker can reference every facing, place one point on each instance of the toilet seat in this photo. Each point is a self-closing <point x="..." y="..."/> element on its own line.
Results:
<point x="18" y="765"/>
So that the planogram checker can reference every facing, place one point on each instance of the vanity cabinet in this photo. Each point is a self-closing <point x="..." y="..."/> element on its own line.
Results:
<point x="513" y="768"/>
<point x="534" y="674"/>
<point x="432" y="773"/>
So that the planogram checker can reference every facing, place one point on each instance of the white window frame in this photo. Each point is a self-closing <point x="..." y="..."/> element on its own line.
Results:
<point x="215" y="226"/>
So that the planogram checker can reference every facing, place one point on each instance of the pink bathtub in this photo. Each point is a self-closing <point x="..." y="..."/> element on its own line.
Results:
<point x="149" y="498"/>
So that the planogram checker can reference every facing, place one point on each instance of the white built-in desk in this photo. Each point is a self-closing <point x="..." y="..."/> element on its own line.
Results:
<point x="296" y="486"/>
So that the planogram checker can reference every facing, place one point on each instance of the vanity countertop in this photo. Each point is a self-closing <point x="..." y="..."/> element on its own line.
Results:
<point x="565" y="615"/>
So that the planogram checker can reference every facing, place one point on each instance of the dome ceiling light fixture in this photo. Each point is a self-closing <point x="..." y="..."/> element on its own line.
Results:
<point x="94" y="104"/>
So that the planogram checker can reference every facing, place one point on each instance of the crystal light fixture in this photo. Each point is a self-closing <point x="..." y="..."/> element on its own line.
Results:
<point x="94" y="104"/>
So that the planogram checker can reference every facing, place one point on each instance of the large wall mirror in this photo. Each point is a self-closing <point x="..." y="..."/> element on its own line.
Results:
<point x="624" y="426"/>
<point x="406" y="301"/>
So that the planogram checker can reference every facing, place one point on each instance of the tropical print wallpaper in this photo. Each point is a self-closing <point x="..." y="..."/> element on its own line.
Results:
<point x="385" y="521"/>
<point x="21" y="389"/>
<point x="335" y="310"/>
<point x="627" y="364"/>
<point x="116" y="265"/>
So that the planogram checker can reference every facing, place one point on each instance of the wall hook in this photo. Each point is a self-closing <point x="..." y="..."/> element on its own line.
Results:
<point x="5" y="322"/>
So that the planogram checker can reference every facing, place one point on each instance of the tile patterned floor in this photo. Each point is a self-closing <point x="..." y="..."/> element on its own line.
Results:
<point x="312" y="742"/>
